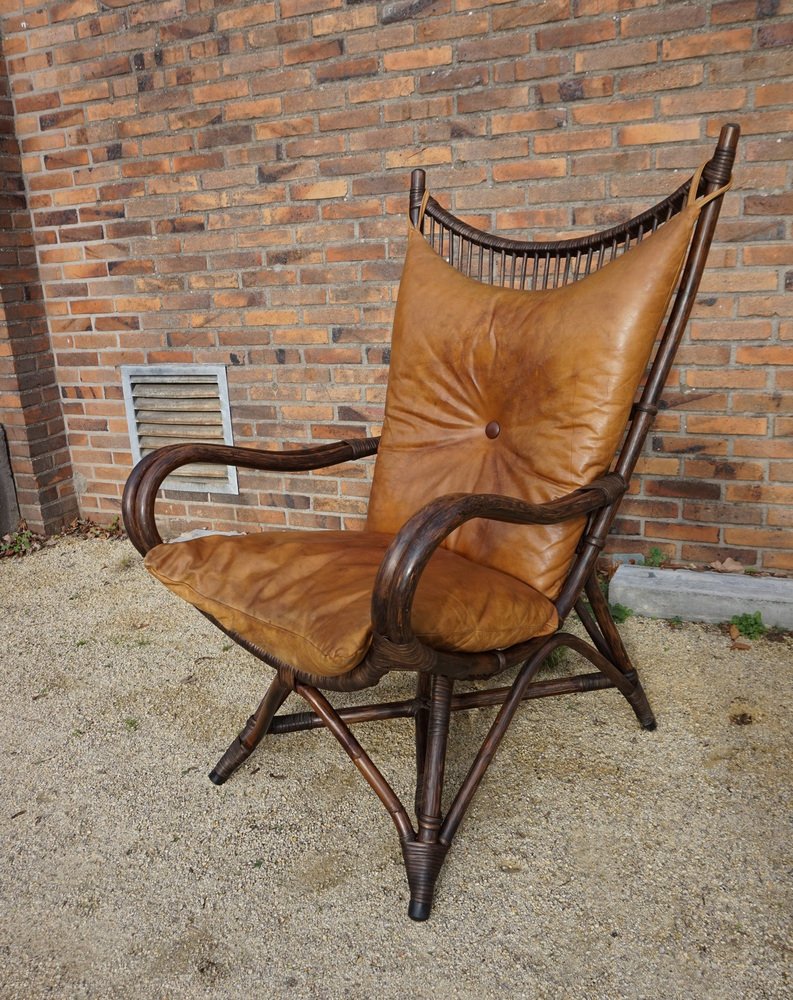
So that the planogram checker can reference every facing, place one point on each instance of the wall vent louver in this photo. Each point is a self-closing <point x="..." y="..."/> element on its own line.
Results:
<point x="170" y="404"/>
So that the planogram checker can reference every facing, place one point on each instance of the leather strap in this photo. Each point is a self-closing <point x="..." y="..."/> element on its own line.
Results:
<point x="423" y="209"/>
<point x="692" y="191"/>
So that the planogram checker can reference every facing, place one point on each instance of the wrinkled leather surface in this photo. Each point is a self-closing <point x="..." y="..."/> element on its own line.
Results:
<point x="557" y="369"/>
<point x="305" y="596"/>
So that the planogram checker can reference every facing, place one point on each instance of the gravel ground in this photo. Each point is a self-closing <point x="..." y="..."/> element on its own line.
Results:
<point x="597" y="861"/>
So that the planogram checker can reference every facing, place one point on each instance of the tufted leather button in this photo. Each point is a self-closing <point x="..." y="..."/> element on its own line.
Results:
<point x="493" y="429"/>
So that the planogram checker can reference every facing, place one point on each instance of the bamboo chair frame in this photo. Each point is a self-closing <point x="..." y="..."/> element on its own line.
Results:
<point x="394" y="646"/>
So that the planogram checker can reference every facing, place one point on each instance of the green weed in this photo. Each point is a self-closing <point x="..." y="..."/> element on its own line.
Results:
<point x="750" y="625"/>
<point x="115" y="529"/>
<point x="620" y="613"/>
<point x="655" y="557"/>
<point x="20" y="542"/>
<point x="555" y="658"/>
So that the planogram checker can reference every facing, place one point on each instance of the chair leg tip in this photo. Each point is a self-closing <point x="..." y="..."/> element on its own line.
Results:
<point x="217" y="779"/>
<point x="650" y="726"/>
<point x="419" y="910"/>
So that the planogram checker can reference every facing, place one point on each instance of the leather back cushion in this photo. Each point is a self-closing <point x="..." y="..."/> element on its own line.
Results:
<point x="558" y="371"/>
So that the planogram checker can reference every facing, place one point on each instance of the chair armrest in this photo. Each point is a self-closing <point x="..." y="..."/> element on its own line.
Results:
<point x="410" y="551"/>
<point x="140" y="492"/>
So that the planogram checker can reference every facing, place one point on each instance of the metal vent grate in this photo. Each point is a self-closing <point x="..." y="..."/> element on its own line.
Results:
<point x="176" y="404"/>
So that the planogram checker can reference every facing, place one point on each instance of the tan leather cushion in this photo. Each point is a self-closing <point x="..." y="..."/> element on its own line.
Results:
<point x="558" y="370"/>
<point x="305" y="596"/>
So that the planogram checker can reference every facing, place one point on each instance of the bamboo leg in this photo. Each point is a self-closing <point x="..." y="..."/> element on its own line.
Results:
<point x="491" y="743"/>
<point x="255" y="728"/>
<point x="590" y="625"/>
<point x="360" y="758"/>
<point x="424" y="855"/>
<point x="509" y="705"/>
<point x="637" y="699"/>
<point x="423" y="683"/>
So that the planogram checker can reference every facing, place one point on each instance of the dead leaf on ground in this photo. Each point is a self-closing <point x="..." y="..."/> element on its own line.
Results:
<point x="734" y="633"/>
<point x="727" y="566"/>
<point x="741" y="645"/>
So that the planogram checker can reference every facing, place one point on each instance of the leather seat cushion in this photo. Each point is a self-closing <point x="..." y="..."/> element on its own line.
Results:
<point x="305" y="596"/>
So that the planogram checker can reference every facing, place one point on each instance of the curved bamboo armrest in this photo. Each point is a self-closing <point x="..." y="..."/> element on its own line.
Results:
<point x="409" y="553"/>
<point x="137" y="506"/>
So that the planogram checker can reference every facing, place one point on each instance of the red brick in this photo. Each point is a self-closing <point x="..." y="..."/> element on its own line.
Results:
<point x="779" y="517"/>
<point x="469" y="24"/>
<point x="417" y="58"/>
<point x="772" y="35"/>
<point x="684" y="532"/>
<point x="612" y="111"/>
<point x="381" y="90"/>
<point x="576" y="34"/>
<point x="265" y="107"/>
<point x="769" y="204"/>
<point x="343" y="22"/>
<point x="244" y="18"/>
<point x="573" y="139"/>
<point x="612" y="57"/>
<point x="657" y="22"/>
<point x="62" y="119"/>
<point x="757" y="537"/>
<point x="159" y="12"/>
<point x="37" y="102"/>
<point x="576" y="89"/>
<point x="295" y="8"/>
<point x="663" y="78"/>
<point x="771" y="95"/>
<point x="528" y="169"/>
<point x="719" y="42"/>
<point x="679" y="131"/>
<point x="778" y="561"/>
<point x="721" y="513"/>
<point x="703" y="102"/>
<point x="510" y="16"/>
<point x="112" y="66"/>
<point x="728" y="425"/>
<point x="223" y="91"/>
<point x="25" y="22"/>
<point x="192" y="27"/>
<point x="347" y="69"/>
<point x="771" y="355"/>
<point x="493" y="98"/>
<point x="391" y="36"/>
<point x="733" y="10"/>
<point x="314" y="52"/>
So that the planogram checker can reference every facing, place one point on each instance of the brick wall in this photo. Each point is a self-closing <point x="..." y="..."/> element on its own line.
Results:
<point x="225" y="182"/>
<point x="30" y="407"/>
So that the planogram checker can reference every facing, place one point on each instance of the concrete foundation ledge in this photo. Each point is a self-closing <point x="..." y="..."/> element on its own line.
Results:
<point x="702" y="597"/>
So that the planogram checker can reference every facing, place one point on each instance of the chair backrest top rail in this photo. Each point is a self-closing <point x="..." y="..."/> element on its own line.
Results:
<point x="638" y="226"/>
